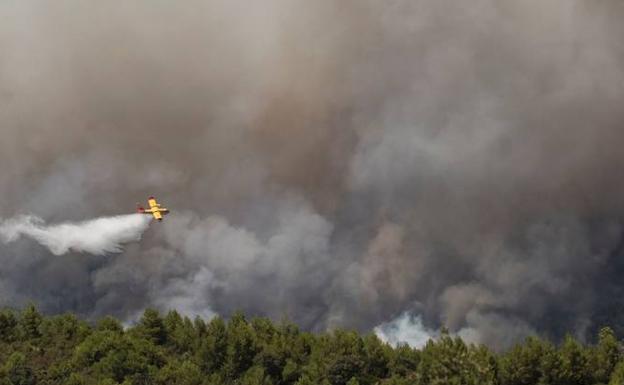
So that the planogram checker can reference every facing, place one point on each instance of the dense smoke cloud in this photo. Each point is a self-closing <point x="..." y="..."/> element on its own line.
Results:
<point x="337" y="163"/>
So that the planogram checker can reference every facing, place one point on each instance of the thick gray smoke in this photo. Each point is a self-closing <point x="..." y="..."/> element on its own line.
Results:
<point x="96" y="236"/>
<point x="338" y="163"/>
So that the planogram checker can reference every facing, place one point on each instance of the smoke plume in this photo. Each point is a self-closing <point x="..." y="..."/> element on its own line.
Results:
<point x="96" y="236"/>
<point x="406" y="329"/>
<point x="336" y="163"/>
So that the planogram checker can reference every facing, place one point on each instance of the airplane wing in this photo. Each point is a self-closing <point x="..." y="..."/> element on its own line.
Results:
<point x="152" y="202"/>
<point x="157" y="215"/>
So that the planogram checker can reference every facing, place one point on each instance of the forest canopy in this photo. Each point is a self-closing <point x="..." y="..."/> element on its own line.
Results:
<point x="174" y="349"/>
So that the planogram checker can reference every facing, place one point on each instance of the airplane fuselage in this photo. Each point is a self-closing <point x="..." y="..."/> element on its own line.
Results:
<point x="155" y="209"/>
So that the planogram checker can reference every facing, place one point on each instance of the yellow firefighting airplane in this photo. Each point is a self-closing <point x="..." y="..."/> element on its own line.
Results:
<point x="154" y="209"/>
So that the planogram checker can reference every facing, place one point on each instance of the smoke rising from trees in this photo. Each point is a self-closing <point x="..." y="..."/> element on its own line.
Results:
<point x="336" y="163"/>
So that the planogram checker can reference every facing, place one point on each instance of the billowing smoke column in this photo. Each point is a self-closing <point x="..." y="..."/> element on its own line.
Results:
<point x="97" y="236"/>
<point x="339" y="163"/>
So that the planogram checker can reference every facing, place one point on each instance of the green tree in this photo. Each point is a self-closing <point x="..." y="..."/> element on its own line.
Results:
<point x="212" y="350"/>
<point x="604" y="356"/>
<point x="109" y="323"/>
<point x="485" y="365"/>
<point x="8" y="324"/>
<point x="29" y="322"/>
<point x="403" y="360"/>
<point x="176" y="373"/>
<point x="346" y="358"/>
<point x="63" y="331"/>
<point x="450" y="361"/>
<point x="78" y="379"/>
<point x="241" y="346"/>
<point x="16" y="371"/>
<point x="377" y="359"/>
<point x="291" y="372"/>
<point x="255" y="376"/>
<point x="521" y="365"/>
<point x="181" y="333"/>
<point x="200" y="326"/>
<point x="108" y="354"/>
<point x="551" y="366"/>
<point x="617" y="377"/>
<point x="574" y="363"/>
<point x="64" y="350"/>
<point x="152" y="327"/>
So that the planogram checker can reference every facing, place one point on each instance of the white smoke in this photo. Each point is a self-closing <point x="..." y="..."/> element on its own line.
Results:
<point x="405" y="329"/>
<point x="96" y="236"/>
<point x="408" y="328"/>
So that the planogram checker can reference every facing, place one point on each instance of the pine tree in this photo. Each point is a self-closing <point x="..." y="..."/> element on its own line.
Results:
<point x="604" y="356"/>
<point x="179" y="373"/>
<point x="29" y="322"/>
<point x="8" y="324"/>
<point x="241" y="346"/>
<point x="574" y="363"/>
<point x="617" y="377"/>
<point x="521" y="364"/>
<point x="152" y="327"/>
<point x="212" y="349"/>
<point x="16" y="371"/>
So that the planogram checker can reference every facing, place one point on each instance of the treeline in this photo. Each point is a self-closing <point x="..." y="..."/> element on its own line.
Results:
<point x="171" y="349"/>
